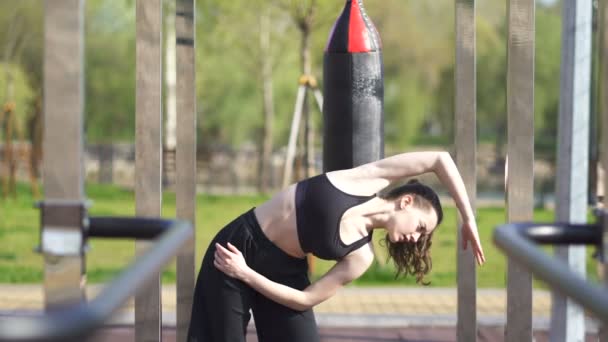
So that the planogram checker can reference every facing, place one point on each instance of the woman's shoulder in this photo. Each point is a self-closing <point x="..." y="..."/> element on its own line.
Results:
<point x="357" y="181"/>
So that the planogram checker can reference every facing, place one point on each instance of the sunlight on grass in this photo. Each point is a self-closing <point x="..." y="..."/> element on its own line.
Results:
<point x="19" y="234"/>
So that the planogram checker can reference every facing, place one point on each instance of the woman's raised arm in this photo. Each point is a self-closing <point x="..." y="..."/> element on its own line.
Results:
<point x="447" y="172"/>
<point x="387" y="170"/>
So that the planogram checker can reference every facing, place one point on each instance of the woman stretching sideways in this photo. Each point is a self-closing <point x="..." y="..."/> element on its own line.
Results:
<point x="258" y="261"/>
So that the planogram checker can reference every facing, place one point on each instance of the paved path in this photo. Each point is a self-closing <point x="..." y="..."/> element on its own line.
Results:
<point x="390" y="305"/>
<point x="354" y="314"/>
<point x="357" y="334"/>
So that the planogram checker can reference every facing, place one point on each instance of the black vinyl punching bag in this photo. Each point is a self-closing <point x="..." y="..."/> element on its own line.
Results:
<point x="353" y="89"/>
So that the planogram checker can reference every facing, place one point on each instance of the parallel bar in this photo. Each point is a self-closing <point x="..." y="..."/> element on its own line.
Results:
<point x="148" y="151"/>
<point x="466" y="155"/>
<point x="562" y="234"/>
<point x="520" y="157"/>
<point x="127" y="227"/>
<point x="567" y="318"/>
<point x="553" y="271"/>
<point x="80" y="321"/>
<point x="186" y="157"/>
<point x="63" y="136"/>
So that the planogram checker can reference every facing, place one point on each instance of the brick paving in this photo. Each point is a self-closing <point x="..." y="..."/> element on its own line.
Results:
<point x="355" y="334"/>
<point x="353" y="314"/>
<point x="351" y="300"/>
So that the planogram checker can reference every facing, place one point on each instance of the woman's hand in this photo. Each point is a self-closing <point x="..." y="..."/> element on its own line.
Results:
<point x="231" y="261"/>
<point x="470" y="235"/>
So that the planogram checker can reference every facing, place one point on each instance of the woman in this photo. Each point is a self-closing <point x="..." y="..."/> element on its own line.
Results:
<point x="258" y="261"/>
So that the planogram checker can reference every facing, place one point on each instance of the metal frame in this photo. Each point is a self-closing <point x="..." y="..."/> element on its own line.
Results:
<point x="148" y="153"/>
<point x="64" y="279"/>
<point x="465" y="141"/>
<point x="520" y="153"/>
<point x="185" y="154"/>
<point x="79" y="321"/>
<point x="603" y="114"/>
<point x="516" y="241"/>
<point x="567" y="318"/>
<point x="64" y="276"/>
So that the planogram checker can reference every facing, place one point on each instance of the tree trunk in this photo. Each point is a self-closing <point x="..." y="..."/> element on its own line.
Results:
<point x="306" y="64"/>
<point x="499" y="142"/>
<point x="309" y="132"/>
<point x="9" y="116"/>
<point x="267" y="103"/>
<point x="3" y="176"/>
<point x="35" y="136"/>
<point x="11" y="49"/>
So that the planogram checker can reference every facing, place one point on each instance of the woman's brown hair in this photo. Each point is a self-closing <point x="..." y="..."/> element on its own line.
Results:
<point x="414" y="258"/>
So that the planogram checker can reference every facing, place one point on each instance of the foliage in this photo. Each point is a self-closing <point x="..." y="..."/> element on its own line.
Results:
<point x="110" y="71"/>
<point x="24" y="95"/>
<point x="20" y="58"/>
<point x="418" y="51"/>
<point x="22" y="23"/>
<point x="547" y="85"/>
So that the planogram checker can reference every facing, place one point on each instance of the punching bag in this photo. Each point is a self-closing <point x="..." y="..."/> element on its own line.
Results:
<point x="353" y="89"/>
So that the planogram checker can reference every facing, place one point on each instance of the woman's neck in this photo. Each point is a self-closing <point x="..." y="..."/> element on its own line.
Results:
<point x="372" y="214"/>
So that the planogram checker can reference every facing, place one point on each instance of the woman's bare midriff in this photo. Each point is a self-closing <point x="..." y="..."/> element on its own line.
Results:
<point x="277" y="218"/>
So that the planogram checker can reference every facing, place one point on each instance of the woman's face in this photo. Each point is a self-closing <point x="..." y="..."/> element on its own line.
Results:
<point x="410" y="221"/>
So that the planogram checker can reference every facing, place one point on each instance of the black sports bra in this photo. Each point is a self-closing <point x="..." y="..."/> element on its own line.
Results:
<point x="319" y="209"/>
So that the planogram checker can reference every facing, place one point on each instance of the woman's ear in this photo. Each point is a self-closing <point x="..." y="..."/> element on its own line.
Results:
<point x="406" y="200"/>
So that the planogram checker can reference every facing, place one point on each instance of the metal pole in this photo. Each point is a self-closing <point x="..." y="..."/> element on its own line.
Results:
<point x="295" y="127"/>
<point x="603" y="110"/>
<point x="319" y="98"/>
<point x="148" y="151"/>
<point x="186" y="157"/>
<point x="520" y="153"/>
<point x="466" y="155"/>
<point x="512" y="239"/>
<point x="78" y="322"/>
<point x="567" y="317"/>
<point x="64" y="279"/>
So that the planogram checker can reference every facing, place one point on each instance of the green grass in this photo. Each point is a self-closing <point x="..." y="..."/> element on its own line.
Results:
<point x="19" y="234"/>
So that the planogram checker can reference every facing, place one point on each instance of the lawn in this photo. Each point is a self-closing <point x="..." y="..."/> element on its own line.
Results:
<point x="19" y="235"/>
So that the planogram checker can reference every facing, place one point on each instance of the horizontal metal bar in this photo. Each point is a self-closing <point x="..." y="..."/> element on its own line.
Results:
<point x="184" y="41"/>
<point x="513" y="239"/>
<point x="127" y="227"/>
<point x="561" y="234"/>
<point x="78" y="322"/>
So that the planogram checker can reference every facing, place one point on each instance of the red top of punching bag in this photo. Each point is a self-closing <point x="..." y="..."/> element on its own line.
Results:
<point x="353" y="32"/>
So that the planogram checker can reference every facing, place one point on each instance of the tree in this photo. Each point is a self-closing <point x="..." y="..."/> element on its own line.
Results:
<point x="303" y="13"/>
<point x="110" y="71"/>
<point x="547" y="82"/>
<point x="255" y="29"/>
<point x="18" y="95"/>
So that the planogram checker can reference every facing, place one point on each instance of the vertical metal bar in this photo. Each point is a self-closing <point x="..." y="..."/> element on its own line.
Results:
<point x="520" y="154"/>
<point x="568" y="318"/>
<point x="594" y="120"/>
<point x="603" y="112"/>
<point x="466" y="155"/>
<point x="293" y="135"/>
<point x="148" y="150"/>
<point x="186" y="156"/>
<point x="63" y="135"/>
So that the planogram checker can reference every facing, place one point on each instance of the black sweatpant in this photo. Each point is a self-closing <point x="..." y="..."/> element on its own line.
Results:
<point x="220" y="310"/>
